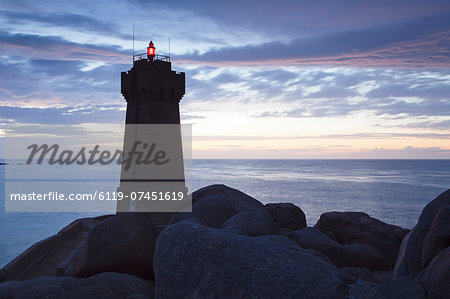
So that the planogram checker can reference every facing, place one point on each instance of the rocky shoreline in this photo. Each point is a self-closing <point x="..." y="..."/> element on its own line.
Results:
<point x="233" y="246"/>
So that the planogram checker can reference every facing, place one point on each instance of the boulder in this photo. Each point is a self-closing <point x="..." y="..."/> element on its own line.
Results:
<point x="192" y="260"/>
<point x="253" y="223"/>
<point x="409" y="262"/>
<point x="382" y="276"/>
<point x="367" y="275"/>
<point x="363" y="290"/>
<point x="359" y="273"/>
<point x="287" y="215"/>
<point x="123" y="243"/>
<point x="438" y="237"/>
<point x="436" y="277"/>
<point x="103" y="285"/>
<point x="402" y="287"/>
<point x="352" y="255"/>
<point x="358" y="227"/>
<point x="215" y="204"/>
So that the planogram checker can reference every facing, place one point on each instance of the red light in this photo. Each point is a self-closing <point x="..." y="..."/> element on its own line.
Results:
<point x="151" y="50"/>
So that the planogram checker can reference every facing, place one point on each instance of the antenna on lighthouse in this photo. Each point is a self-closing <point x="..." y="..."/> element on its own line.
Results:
<point x="169" y="47"/>
<point x="133" y="44"/>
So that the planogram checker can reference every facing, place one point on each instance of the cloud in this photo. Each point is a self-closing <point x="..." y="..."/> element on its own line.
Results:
<point x="189" y="117"/>
<point x="420" y="43"/>
<point x="325" y="152"/>
<point x="333" y="91"/>
<point x="410" y="152"/>
<point x="33" y="46"/>
<point x="436" y="125"/>
<point x="422" y="108"/>
<point x="287" y="17"/>
<point x="342" y="107"/>
<point x="438" y="89"/>
<point x="392" y="135"/>
<point x="73" y="21"/>
<point x="59" y="83"/>
<point x="68" y="115"/>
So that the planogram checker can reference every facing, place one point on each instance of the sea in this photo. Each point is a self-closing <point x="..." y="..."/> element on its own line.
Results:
<point x="393" y="191"/>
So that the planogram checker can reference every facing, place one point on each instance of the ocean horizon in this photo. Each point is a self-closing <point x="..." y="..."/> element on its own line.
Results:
<point x="391" y="190"/>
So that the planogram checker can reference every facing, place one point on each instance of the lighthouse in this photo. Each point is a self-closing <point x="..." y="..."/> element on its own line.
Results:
<point x="153" y="92"/>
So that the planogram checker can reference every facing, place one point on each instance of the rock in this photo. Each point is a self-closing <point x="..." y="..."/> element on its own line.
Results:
<point x="359" y="273"/>
<point x="139" y="296"/>
<point x="104" y="285"/>
<point x="215" y="204"/>
<point x="436" y="277"/>
<point x="400" y="267"/>
<point x="254" y="223"/>
<point x="287" y="215"/>
<point x="123" y="243"/>
<point x="367" y="275"/>
<point x="409" y="262"/>
<point x="438" y="237"/>
<point x="403" y="287"/>
<point x="381" y="276"/>
<point x="363" y="290"/>
<point x="352" y="255"/>
<point x="192" y="260"/>
<point x="358" y="227"/>
<point x="320" y="255"/>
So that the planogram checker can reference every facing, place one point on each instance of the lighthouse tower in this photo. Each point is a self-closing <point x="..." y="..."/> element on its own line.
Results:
<point x="153" y="92"/>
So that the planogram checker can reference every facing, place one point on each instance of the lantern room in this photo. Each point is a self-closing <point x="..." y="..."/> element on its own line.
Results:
<point x="151" y="51"/>
<point x="150" y="56"/>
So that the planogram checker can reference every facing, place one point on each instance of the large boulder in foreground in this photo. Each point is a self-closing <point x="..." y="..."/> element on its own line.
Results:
<point x="403" y="287"/>
<point x="215" y="204"/>
<point x="358" y="227"/>
<point x="123" y="243"/>
<point x="363" y="290"/>
<point x="287" y="215"/>
<point x="436" y="277"/>
<point x="360" y="273"/>
<point x="412" y="253"/>
<point x="352" y="255"/>
<point x="103" y="285"/>
<point x="192" y="260"/>
<point x="438" y="237"/>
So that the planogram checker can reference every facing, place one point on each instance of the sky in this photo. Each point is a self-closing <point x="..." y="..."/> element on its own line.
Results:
<point x="264" y="79"/>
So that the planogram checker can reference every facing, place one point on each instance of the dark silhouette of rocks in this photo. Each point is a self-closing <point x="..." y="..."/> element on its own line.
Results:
<point x="403" y="287"/>
<point x="361" y="273"/>
<point x="438" y="237"/>
<point x="436" y="277"/>
<point x="205" y="262"/>
<point x="123" y="243"/>
<point x="360" y="228"/>
<point x="409" y="261"/>
<point x="233" y="246"/>
<point x="363" y="290"/>
<point x="104" y="285"/>
<point x="287" y="215"/>
<point x="251" y="223"/>
<point x="351" y="255"/>
<point x="215" y="204"/>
